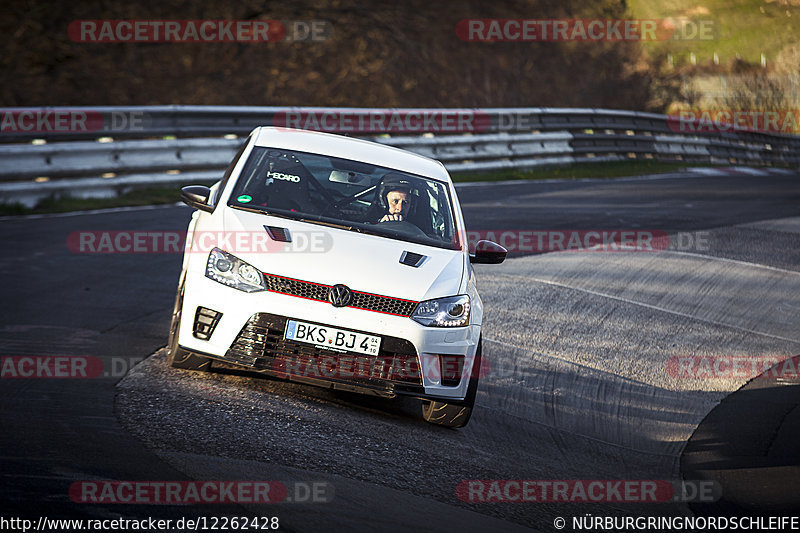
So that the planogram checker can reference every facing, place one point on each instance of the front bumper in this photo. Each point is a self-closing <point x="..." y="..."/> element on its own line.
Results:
<point x="413" y="360"/>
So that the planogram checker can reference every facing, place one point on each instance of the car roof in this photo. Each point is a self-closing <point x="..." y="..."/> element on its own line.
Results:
<point x="330" y="144"/>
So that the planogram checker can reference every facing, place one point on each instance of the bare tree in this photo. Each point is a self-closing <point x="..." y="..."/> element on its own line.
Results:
<point x="756" y="92"/>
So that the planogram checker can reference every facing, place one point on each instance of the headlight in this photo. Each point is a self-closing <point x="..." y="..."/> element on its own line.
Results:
<point x="447" y="312"/>
<point x="233" y="272"/>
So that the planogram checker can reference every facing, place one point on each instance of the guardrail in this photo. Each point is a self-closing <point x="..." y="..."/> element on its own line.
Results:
<point x="126" y="150"/>
<point x="74" y="123"/>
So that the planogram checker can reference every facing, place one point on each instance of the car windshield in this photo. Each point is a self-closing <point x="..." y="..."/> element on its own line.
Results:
<point x="350" y="194"/>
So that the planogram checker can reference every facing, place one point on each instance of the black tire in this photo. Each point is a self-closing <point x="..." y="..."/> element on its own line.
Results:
<point x="456" y="414"/>
<point x="177" y="356"/>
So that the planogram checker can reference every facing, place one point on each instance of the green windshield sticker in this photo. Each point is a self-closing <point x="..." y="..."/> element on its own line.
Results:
<point x="245" y="198"/>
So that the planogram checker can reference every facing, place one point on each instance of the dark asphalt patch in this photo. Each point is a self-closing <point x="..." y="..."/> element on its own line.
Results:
<point x="750" y="444"/>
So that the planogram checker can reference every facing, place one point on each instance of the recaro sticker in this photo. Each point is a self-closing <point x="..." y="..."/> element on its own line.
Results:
<point x="284" y="177"/>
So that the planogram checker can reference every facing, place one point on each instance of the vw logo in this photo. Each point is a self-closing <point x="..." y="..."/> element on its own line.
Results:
<point x="340" y="295"/>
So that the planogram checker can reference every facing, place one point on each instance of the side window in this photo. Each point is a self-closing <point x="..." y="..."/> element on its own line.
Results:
<point x="442" y="222"/>
<point x="228" y="172"/>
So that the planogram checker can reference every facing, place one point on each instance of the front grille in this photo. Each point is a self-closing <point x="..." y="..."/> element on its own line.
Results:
<point x="319" y="292"/>
<point x="295" y="287"/>
<point x="261" y="346"/>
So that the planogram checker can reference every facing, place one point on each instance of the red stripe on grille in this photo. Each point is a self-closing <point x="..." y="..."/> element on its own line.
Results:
<point x="411" y="307"/>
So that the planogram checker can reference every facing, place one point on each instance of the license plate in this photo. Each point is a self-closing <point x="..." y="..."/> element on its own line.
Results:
<point x="332" y="338"/>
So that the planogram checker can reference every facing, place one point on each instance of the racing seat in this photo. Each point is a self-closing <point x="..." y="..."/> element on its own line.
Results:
<point x="285" y="185"/>
<point x="420" y="213"/>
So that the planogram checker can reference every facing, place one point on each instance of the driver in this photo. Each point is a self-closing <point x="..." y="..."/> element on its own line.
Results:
<point x="398" y="201"/>
<point x="395" y="197"/>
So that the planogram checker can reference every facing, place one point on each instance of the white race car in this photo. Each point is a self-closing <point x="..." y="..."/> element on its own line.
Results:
<point x="336" y="262"/>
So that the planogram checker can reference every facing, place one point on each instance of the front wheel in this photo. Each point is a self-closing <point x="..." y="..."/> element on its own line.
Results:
<point x="177" y="356"/>
<point x="455" y="414"/>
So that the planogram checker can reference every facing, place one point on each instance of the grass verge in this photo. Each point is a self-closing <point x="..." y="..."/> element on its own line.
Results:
<point x="613" y="169"/>
<point x="62" y="204"/>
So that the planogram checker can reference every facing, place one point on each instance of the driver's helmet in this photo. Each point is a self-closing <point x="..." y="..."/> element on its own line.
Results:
<point x="394" y="181"/>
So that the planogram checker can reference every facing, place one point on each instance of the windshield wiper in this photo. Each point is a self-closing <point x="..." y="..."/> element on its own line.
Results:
<point x="263" y="212"/>
<point x="357" y="229"/>
<point x="331" y="224"/>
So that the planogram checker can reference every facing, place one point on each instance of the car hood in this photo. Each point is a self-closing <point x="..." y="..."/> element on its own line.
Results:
<point x="326" y="255"/>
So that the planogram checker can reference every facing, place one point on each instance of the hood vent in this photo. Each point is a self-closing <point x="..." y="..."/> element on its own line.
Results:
<point x="411" y="259"/>
<point x="278" y="234"/>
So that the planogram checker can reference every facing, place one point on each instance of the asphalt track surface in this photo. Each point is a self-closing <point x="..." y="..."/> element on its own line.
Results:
<point x="579" y="387"/>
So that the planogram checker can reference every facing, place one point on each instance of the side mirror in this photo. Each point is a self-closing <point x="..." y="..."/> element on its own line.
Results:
<point x="197" y="196"/>
<point x="488" y="253"/>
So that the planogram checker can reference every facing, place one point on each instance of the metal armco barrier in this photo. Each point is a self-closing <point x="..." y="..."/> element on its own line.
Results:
<point x="201" y="140"/>
<point x="73" y="123"/>
<point x="87" y="158"/>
